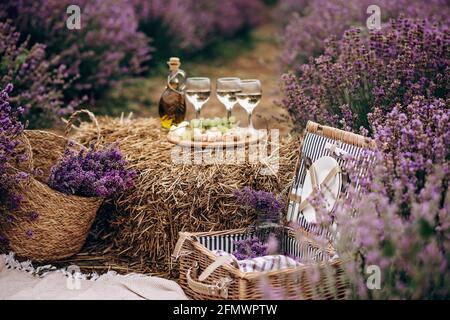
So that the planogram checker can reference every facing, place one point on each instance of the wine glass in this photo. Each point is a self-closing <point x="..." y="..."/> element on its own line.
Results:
<point x="198" y="91"/>
<point x="249" y="97"/>
<point x="226" y="90"/>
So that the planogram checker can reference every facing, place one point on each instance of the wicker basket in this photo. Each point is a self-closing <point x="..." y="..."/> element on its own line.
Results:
<point x="63" y="221"/>
<point x="202" y="277"/>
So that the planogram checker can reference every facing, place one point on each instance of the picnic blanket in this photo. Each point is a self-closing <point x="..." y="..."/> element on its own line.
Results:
<point x="18" y="281"/>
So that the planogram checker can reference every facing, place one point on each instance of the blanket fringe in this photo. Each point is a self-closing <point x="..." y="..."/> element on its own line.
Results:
<point x="42" y="271"/>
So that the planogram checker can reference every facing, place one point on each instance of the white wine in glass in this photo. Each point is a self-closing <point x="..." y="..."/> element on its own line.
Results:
<point x="249" y="97"/>
<point x="198" y="91"/>
<point x="226" y="90"/>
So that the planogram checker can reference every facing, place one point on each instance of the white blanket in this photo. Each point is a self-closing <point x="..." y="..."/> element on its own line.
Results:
<point x="17" y="282"/>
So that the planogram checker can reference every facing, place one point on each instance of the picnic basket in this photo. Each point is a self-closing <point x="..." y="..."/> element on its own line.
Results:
<point x="203" y="276"/>
<point x="49" y="225"/>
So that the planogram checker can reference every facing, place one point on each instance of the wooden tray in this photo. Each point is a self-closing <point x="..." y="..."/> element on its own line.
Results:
<point x="212" y="144"/>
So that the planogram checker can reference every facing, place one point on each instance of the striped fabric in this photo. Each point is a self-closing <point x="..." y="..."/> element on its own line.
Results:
<point x="260" y="264"/>
<point x="289" y="246"/>
<point x="222" y="242"/>
<point x="314" y="148"/>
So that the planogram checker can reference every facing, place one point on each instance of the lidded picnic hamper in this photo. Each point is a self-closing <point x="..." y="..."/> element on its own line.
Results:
<point x="204" y="275"/>
<point x="49" y="225"/>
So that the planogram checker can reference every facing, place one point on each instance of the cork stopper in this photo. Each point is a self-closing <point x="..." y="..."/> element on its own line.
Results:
<point x="174" y="63"/>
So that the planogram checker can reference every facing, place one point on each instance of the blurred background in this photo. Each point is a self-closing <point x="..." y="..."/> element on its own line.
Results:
<point x="116" y="62"/>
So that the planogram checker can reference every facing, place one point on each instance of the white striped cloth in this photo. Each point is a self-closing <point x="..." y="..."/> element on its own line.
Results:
<point x="259" y="264"/>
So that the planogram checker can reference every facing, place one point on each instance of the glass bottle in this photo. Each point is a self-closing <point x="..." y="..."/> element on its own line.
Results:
<point x="172" y="105"/>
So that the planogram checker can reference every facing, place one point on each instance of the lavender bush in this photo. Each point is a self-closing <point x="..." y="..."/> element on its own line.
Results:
<point x="92" y="173"/>
<point x="312" y="22"/>
<point x="107" y="48"/>
<point x="353" y="76"/>
<point x="413" y="139"/>
<point x="193" y="24"/>
<point x="39" y="84"/>
<point x="411" y="247"/>
<point x="10" y="130"/>
<point x="400" y="221"/>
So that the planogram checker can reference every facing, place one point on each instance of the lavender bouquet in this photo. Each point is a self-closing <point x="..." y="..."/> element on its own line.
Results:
<point x="92" y="173"/>
<point x="250" y="248"/>
<point x="265" y="205"/>
<point x="267" y="208"/>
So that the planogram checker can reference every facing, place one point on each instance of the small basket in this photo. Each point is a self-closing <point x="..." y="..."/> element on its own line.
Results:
<point x="319" y="277"/>
<point x="49" y="225"/>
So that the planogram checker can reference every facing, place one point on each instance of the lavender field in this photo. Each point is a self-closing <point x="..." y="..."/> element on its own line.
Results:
<point x="384" y="75"/>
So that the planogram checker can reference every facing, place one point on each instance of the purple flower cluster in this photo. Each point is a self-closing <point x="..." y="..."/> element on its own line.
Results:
<point x="249" y="248"/>
<point x="264" y="204"/>
<point x="193" y="24"/>
<point x="106" y="48"/>
<point x="10" y="154"/>
<point x="410" y="248"/>
<point x="353" y="76"/>
<point x="400" y="221"/>
<point x="413" y="140"/>
<point x="92" y="173"/>
<point x="39" y="83"/>
<point x="310" y="23"/>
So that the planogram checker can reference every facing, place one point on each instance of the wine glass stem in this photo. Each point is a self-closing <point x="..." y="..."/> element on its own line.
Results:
<point x="197" y="113"/>
<point x="250" y="122"/>
<point x="228" y="114"/>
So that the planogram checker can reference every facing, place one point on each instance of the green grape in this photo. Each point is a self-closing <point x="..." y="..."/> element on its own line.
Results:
<point x="195" y="123"/>
<point x="223" y="129"/>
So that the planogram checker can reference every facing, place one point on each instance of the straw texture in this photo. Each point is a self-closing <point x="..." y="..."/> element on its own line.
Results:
<point x="169" y="198"/>
<point x="316" y="279"/>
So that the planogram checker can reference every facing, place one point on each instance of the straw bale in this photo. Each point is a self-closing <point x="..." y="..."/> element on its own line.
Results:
<point x="169" y="198"/>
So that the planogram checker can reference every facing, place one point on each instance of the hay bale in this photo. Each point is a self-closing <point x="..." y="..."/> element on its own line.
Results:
<point x="169" y="198"/>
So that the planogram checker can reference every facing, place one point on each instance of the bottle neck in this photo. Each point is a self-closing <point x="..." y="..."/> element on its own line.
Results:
<point x="175" y="80"/>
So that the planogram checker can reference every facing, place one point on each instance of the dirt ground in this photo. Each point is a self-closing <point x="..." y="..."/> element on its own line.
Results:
<point x="259" y="61"/>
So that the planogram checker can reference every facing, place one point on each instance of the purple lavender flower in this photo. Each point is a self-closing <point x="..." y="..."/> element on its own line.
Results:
<point x="3" y="240"/>
<point x="265" y="204"/>
<point x="107" y="48"/>
<point x="10" y="129"/>
<point x="39" y="83"/>
<point x="355" y="75"/>
<point x="310" y="24"/>
<point x="92" y="173"/>
<point x="34" y="216"/>
<point x="249" y="248"/>
<point x="194" y="24"/>
<point x="29" y="233"/>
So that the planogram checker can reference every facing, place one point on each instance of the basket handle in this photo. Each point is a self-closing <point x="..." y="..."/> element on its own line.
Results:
<point x="75" y="116"/>
<point x="219" y="289"/>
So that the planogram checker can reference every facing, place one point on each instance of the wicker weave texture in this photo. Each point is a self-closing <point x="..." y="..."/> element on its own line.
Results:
<point x="63" y="221"/>
<point x="315" y="280"/>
